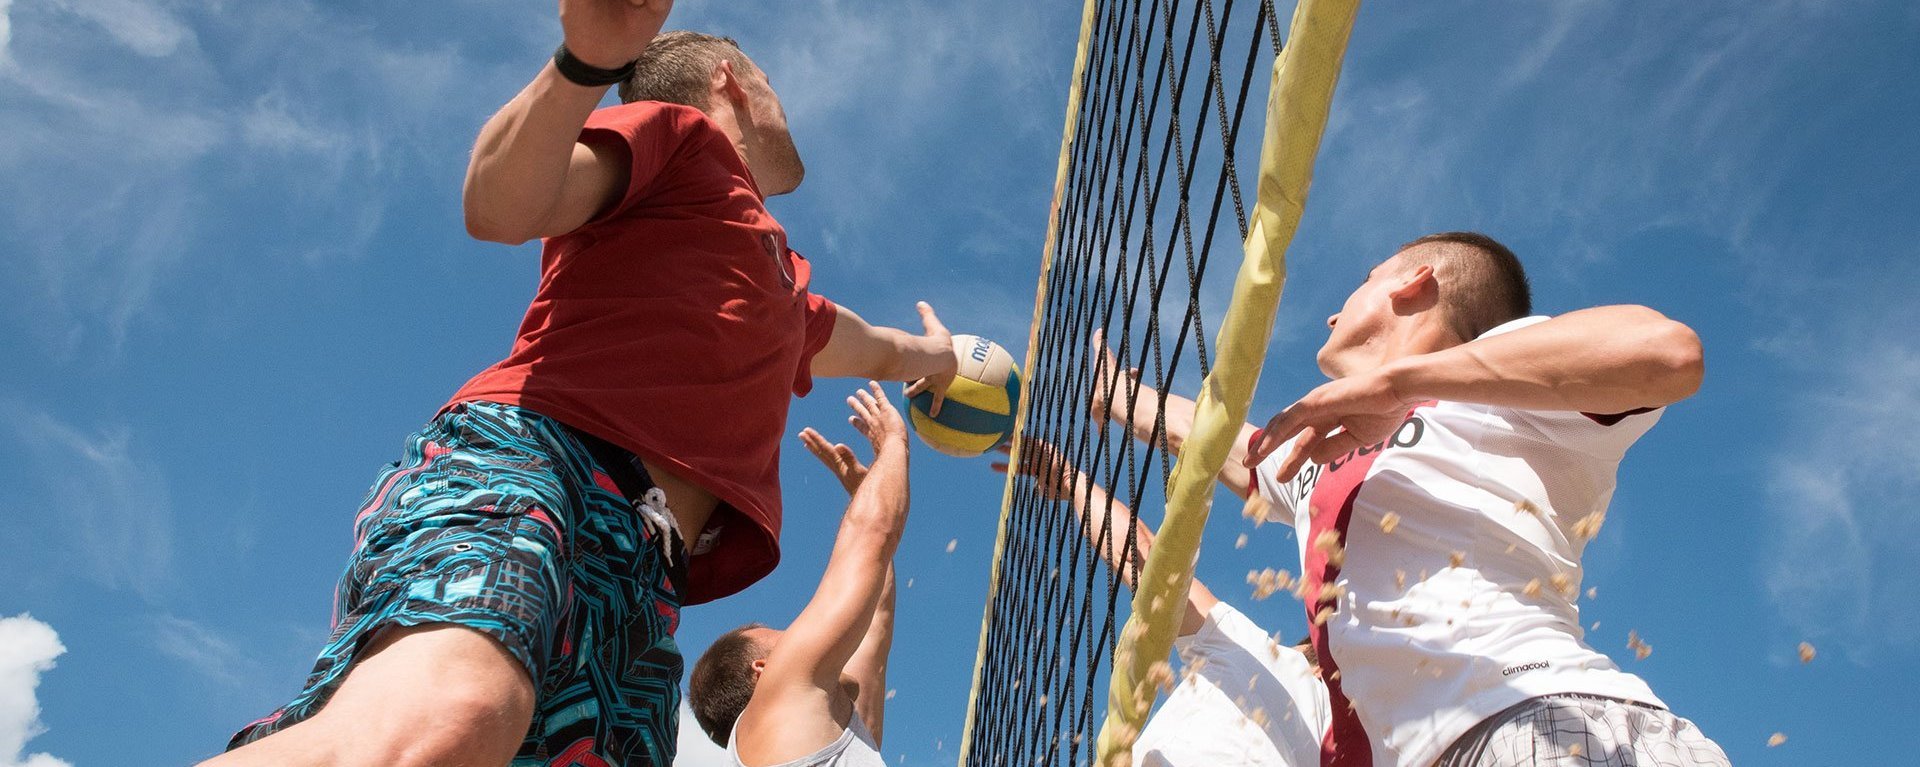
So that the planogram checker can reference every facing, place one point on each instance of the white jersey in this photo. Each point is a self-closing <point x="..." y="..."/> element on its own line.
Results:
<point x="1246" y="701"/>
<point x="855" y="747"/>
<point x="1453" y="596"/>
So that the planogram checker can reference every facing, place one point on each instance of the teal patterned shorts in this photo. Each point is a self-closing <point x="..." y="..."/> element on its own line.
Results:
<point x="544" y="538"/>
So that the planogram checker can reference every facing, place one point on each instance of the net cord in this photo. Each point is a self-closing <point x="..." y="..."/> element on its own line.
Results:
<point x="1304" y="78"/>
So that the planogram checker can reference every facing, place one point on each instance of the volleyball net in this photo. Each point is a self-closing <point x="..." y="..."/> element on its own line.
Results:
<point x="1156" y="156"/>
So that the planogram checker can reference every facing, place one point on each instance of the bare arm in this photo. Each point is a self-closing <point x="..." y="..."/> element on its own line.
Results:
<point x="1057" y="478"/>
<point x="868" y="666"/>
<point x="529" y="176"/>
<point x="797" y="706"/>
<point x="860" y="350"/>
<point x="1608" y="360"/>
<point x="1114" y="398"/>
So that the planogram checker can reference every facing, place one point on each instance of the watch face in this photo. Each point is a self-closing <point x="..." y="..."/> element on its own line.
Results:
<point x="779" y="256"/>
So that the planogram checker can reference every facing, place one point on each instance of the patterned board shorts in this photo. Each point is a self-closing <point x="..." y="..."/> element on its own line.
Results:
<point x="511" y="524"/>
<point x="1584" y="731"/>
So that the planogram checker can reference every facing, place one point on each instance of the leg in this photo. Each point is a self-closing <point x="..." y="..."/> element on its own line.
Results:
<point x="437" y="695"/>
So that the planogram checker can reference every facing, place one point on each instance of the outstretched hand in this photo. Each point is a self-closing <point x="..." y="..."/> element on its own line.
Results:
<point x="837" y="457"/>
<point x="1109" y="380"/>
<point x="1053" y="475"/>
<point x="938" y="340"/>
<point x="1341" y="415"/>
<point x="876" y="419"/>
<point x="609" y="33"/>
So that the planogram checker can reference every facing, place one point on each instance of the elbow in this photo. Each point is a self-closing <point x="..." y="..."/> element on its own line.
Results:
<point x="1678" y="360"/>
<point x="487" y="229"/>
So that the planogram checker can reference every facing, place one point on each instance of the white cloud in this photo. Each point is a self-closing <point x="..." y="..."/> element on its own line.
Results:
<point x="1840" y="502"/>
<point x="142" y="27"/>
<point x="27" y="650"/>
<point x="695" y="750"/>
<point x="6" y="28"/>
<point x="110" y="509"/>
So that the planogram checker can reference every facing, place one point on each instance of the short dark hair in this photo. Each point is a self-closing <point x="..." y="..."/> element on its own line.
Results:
<point x="722" y="682"/>
<point x="677" y="66"/>
<point x="1491" y="286"/>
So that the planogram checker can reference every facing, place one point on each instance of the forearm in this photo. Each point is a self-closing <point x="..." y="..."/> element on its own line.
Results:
<point x="834" y="623"/>
<point x="1179" y="423"/>
<point x="868" y="668"/>
<point x="521" y="159"/>
<point x="1107" y="520"/>
<point x="1605" y="360"/>
<point x="859" y="350"/>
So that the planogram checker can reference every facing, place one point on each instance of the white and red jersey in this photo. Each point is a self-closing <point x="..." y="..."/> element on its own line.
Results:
<point x="1245" y="701"/>
<point x="1450" y="556"/>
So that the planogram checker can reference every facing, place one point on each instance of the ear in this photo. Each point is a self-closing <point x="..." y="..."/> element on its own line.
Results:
<point x="759" y="667"/>
<point x="726" y="83"/>
<point x="1415" y="285"/>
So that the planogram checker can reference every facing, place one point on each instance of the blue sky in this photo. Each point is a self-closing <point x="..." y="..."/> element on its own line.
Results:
<point x="236" y="278"/>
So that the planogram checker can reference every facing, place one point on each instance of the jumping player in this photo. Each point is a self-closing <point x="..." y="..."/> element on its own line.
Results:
<point x="1244" y="700"/>
<point x="1443" y="487"/>
<point x="517" y="577"/>
<point x="815" y="693"/>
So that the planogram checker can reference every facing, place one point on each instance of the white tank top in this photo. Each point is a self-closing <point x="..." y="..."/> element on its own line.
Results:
<point x="854" y="748"/>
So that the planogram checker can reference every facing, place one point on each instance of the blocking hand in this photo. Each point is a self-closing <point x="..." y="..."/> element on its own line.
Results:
<point x="1109" y="381"/>
<point x="1053" y="475"/>
<point x="609" y="33"/>
<point x="837" y="457"/>
<point x="877" y="420"/>
<point x="1341" y="415"/>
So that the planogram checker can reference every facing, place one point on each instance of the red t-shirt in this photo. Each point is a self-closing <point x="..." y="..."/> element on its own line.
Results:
<point x="676" y="325"/>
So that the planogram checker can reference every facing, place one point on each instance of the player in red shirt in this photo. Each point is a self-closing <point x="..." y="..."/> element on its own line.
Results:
<point x="517" y="577"/>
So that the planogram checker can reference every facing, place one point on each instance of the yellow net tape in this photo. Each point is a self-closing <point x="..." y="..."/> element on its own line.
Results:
<point x="1304" y="76"/>
<point x="1026" y="383"/>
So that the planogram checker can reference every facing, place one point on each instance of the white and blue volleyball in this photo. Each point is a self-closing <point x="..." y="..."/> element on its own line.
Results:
<point x="978" y="411"/>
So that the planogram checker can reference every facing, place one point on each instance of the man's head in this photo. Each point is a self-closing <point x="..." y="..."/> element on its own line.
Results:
<point x="723" y="679"/>
<point x="713" y="75"/>
<point x="1437" y="291"/>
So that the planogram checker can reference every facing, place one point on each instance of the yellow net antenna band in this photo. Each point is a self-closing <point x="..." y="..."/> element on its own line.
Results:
<point x="1304" y="76"/>
<point x="1074" y="98"/>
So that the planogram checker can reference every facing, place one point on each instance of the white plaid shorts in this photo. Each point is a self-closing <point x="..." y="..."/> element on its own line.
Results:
<point x="1583" y="731"/>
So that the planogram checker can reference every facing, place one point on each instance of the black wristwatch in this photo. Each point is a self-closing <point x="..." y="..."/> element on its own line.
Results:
<point x="581" y="73"/>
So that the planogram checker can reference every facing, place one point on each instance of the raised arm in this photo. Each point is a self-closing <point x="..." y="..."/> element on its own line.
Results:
<point x="529" y="176"/>
<point x="1114" y="398"/>
<point x="1604" y="361"/>
<point x="798" y="687"/>
<point x="868" y="666"/>
<point x="860" y="350"/>
<point x="1057" y="478"/>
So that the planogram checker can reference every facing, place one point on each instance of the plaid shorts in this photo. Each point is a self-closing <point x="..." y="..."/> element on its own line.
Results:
<point x="1583" y="731"/>
<point x="548" y="540"/>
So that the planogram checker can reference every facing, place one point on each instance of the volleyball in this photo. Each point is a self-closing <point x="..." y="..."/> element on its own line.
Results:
<point x="978" y="412"/>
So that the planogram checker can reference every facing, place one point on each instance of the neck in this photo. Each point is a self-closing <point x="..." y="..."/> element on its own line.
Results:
<point x="1423" y="334"/>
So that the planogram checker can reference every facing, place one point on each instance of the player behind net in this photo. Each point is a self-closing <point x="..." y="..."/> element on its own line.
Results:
<point x="1244" y="699"/>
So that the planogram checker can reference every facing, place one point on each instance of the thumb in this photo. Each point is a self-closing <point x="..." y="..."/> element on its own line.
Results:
<point x="929" y="320"/>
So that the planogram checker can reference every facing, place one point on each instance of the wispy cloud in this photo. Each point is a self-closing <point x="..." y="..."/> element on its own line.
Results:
<point x="143" y="27"/>
<point x="1844" y="536"/>
<point x="27" y="650"/>
<point x="108" y="507"/>
<point x="132" y="154"/>
<point x="204" y="651"/>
